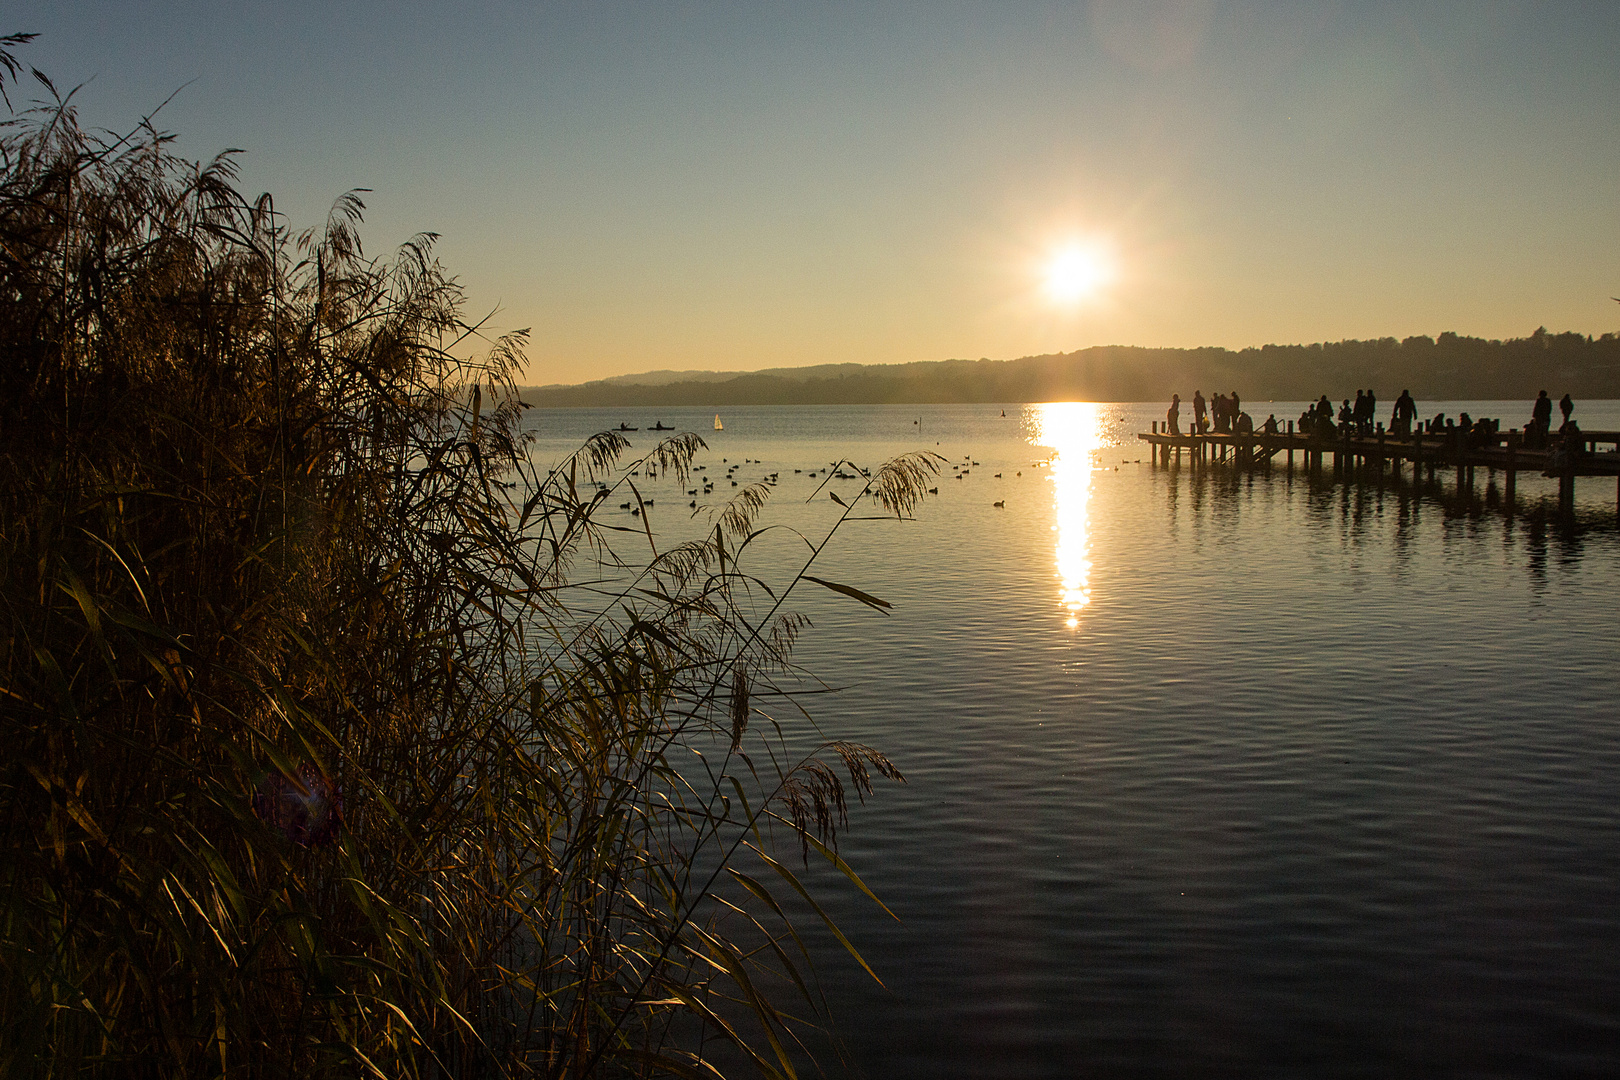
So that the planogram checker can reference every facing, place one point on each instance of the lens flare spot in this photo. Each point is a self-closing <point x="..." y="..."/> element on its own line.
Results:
<point x="306" y="808"/>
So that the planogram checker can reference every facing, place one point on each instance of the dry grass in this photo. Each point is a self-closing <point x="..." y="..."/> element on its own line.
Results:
<point x="267" y="525"/>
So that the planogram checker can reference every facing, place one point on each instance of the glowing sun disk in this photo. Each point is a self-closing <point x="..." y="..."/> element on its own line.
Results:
<point x="1077" y="272"/>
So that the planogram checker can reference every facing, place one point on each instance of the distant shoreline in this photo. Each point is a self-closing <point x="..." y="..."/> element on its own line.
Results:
<point x="1451" y="367"/>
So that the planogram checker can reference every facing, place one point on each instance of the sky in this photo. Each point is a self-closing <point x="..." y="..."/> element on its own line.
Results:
<point x="736" y="186"/>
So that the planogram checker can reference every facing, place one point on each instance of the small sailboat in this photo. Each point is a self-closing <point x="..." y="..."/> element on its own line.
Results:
<point x="718" y="426"/>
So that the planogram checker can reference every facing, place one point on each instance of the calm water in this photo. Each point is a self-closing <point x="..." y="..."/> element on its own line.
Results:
<point x="1208" y="774"/>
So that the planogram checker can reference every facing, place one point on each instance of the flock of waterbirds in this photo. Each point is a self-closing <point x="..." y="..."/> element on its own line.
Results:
<point x="959" y="469"/>
<point x="736" y="473"/>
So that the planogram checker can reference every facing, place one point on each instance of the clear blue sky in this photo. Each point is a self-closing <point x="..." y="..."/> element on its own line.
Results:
<point x="737" y="186"/>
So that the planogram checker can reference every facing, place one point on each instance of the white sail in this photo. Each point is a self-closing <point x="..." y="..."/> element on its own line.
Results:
<point x="717" y="425"/>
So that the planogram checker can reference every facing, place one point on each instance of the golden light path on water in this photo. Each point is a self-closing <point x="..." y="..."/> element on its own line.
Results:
<point x="1073" y="429"/>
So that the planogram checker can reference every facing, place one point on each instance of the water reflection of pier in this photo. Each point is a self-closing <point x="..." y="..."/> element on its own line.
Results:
<point x="1381" y="458"/>
<point x="1374" y="513"/>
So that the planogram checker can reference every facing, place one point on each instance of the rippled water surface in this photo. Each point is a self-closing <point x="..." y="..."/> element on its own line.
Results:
<point x="1208" y="774"/>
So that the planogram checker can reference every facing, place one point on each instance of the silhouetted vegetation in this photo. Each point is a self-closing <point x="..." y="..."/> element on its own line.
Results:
<point x="1448" y="367"/>
<point x="319" y="760"/>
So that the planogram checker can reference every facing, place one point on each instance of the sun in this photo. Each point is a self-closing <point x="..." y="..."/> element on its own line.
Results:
<point x="1077" y="272"/>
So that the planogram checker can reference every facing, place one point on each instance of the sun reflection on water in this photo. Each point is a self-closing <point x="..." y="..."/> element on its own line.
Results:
<point x="1073" y="429"/>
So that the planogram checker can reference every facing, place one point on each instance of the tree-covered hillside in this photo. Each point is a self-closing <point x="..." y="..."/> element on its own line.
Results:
<point x="1451" y="366"/>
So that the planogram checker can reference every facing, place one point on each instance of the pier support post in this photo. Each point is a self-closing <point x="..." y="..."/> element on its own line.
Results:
<point x="1512" y="471"/>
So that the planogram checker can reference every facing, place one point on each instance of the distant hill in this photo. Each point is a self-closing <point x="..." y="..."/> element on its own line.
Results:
<point x="664" y="376"/>
<point x="1451" y="366"/>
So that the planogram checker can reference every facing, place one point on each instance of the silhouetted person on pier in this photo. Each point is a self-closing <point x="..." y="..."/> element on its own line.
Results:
<point x="1270" y="426"/>
<point x="1234" y="405"/>
<point x="1324" y="417"/>
<point x="1200" y="412"/>
<point x="1371" y="418"/>
<point x="1347" y="417"/>
<point x="1566" y="405"/>
<point x="1541" y="415"/>
<point x="1245" y="424"/>
<point x="1172" y="415"/>
<point x="1359" y="412"/>
<point x="1570" y="447"/>
<point x="1405" y="412"/>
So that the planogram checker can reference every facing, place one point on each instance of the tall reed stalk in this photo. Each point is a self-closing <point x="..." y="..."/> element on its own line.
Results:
<point x="321" y="756"/>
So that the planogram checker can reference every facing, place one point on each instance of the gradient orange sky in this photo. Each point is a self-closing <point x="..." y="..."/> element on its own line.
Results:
<point x="740" y="186"/>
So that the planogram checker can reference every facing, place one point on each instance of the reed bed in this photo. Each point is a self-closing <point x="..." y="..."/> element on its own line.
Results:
<point x="323" y="754"/>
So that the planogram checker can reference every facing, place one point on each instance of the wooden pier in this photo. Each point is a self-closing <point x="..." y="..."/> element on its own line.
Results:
<point x="1384" y="454"/>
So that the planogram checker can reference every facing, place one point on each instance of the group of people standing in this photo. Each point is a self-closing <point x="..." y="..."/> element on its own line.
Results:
<point x="1535" y="432"/>
<point x="1224" y="411"/>
<point x="1358" y="419"/>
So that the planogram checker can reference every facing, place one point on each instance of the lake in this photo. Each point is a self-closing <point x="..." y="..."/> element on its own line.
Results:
<point x="1208" y="773"/>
